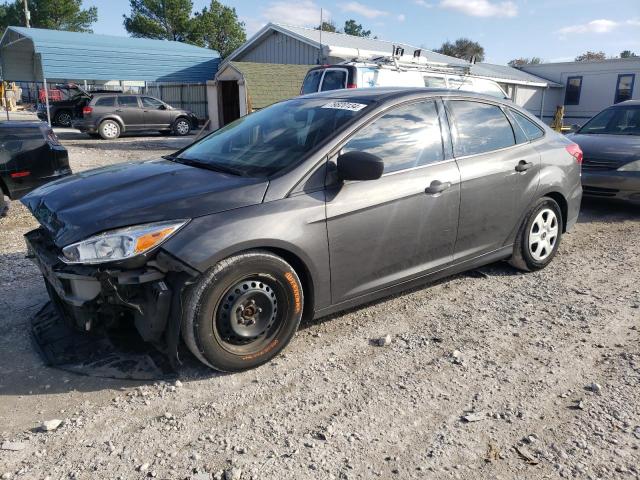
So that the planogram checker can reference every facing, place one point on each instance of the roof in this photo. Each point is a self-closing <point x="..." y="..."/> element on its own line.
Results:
<point x="332" y="39"/>
<point x="268" y="83"/>
<point x="87" y="56"/>
<point x="508" y="74"/>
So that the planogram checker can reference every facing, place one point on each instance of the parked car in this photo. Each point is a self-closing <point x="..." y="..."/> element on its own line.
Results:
<point x="366" y="74"/>
<point x="30" y="156"/>
<point x="611" y="145"/>
<point x="304" y="208"/>
<point x="108" y="115"/>
<point x="62" y="112"/>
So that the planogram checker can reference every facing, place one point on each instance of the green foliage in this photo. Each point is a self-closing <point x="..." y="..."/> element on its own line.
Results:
<point x="591" y="57"/>
<point x="356" y="29"/>
<point x="53" y="14"/>
<point x="328" y="27"/>
<point x="216" y="26"/>
<point x="627" y="54"/>
<point x="160" y="19"/>
<point x="463" y="48"/>
<point x="518" y="62"/>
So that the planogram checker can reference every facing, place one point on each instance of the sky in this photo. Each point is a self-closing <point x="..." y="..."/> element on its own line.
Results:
<point x="554" y="30"/>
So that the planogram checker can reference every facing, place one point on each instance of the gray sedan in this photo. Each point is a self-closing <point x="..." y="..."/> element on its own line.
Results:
<point x="611" y="145"/>
<point x="302" y="209"/>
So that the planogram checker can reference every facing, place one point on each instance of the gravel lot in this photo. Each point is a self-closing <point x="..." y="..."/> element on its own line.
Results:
<point x="493" y="374"/>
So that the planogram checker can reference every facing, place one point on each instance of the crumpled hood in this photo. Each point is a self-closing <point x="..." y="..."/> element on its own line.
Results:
<point x="90" y="202"/>
<point x="619" y="149"/>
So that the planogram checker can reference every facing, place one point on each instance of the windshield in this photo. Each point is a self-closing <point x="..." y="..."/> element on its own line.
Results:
<point x="265" y="142"/>
<point x="614" y="121"/>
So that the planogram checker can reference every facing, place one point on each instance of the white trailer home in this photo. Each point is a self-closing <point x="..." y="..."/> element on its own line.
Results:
<point x="588" y="87"/>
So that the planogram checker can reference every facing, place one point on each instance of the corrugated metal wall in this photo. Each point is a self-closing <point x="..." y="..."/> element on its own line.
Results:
<point x="279" y="48"/>
<point x="188" y="96"/>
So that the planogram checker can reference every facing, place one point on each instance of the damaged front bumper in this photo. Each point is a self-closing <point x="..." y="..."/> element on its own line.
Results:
<point x="143" y="291"/>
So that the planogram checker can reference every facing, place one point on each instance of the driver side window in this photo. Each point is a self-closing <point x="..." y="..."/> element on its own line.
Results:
<point x="406" y="137"/>
<point x="150" y="102"/>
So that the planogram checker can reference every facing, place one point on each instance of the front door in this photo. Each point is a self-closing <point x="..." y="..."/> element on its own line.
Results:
<point x="156" y="114"/>
<point x="130" y="112"/>
<point x="230" y="96"/>
<point x="403" y="225"/>
<point x="484" y="146"/>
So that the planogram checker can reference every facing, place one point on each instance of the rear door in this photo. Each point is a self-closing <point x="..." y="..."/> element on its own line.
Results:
<point x="131" y="112"/>
<point x="485" y="149"/>
<point x="311" y="83"/>
<point x="403" y="225"/>
<point x="156" y="114"/>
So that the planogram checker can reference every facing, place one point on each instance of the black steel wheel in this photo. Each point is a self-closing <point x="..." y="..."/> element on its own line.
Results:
<point x="63" y="118"/>
<point x="243" y="312"/>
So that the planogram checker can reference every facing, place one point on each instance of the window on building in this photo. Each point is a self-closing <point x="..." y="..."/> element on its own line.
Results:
<point x="479" y="128"/>
<point x="624" y="87"/>
<point x="407" y="137"/>
<point x="572" y="92"/>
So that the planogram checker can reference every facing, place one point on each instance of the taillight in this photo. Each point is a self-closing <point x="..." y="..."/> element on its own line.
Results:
<point x="87" y="110"/>
<point x="576" y="152"/>
<point x="24" y="173"/>
<point x="352" y="85"/>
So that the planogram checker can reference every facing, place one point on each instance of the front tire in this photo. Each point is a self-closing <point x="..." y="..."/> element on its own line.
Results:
<point x="539" y="236"/>
<point x="243" y="311"/>
<point x="109" y="130"/>
<point x="182" y="127"/>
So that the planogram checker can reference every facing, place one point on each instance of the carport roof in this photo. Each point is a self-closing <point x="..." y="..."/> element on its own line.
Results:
<point x="31" y="54"/>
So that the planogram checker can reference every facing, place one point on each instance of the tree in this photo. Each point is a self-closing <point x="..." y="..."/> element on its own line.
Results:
<point x="160" y="19"/>
<point x="591" y="57"/>
<point x="218" y="28"/>
<point x="327" y="27"/>
<point x="627" y="54"/>
<point x="356" y="29"/>
<point x="52" y="14"/>
<point x="518" y="62"/>
<point x="463" y="48"/>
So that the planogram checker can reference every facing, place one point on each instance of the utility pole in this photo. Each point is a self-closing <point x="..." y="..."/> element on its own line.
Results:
<point x="27" y="14"/>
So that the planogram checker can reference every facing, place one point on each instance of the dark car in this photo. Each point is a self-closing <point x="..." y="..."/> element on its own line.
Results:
<point x="610" y="142"/>
<point x="109" y="115"/>
<point x="304" y="208"/>
<point x="62" y="112"/>
<point x="30" y="156"/>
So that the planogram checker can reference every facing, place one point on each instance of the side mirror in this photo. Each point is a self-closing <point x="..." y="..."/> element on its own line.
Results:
<point x="359" y="166"/>
<point x="162" y="107"/>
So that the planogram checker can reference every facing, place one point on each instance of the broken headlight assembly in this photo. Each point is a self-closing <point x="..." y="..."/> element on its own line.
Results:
<point x="121" y="244"/>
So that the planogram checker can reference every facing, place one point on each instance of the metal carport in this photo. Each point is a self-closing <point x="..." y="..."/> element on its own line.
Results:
<point x="39" y="55"/>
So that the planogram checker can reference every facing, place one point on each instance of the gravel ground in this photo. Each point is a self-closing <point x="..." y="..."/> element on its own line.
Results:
<point x="494" y="374"/>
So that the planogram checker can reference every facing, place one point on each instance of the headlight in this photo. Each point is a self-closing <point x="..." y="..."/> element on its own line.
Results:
<point x="630" y="167"/>
<point x="120" y="244"/>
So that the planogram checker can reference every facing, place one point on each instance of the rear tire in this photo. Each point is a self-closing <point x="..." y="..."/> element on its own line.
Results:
<point x="63" y="118"/>
<point x="109" y="130"/>
<point x="181" y="127"/>
<point x="243" y="311"/>
<point x="539" y="236"/>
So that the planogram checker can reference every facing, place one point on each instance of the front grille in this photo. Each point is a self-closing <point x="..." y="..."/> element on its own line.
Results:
<point x="599" y="164"/>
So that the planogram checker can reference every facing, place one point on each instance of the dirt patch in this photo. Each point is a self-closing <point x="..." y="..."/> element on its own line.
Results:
<point x="486" y="375"/>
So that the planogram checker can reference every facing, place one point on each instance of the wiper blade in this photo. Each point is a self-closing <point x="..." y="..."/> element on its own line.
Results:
<point x="208" y="166"/>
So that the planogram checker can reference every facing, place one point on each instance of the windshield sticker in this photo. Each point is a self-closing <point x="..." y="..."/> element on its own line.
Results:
<point x="354" y="107"/>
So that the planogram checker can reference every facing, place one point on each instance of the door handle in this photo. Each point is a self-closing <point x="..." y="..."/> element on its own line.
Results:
<point x="523" y="166"/>
<point x="118" y="109"/>
<point x="437" y="187"/>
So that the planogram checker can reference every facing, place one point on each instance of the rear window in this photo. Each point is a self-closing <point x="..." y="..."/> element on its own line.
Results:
<point x="530" y="129"/>
<point x="334" y="80"/>
<point x="311" y="82"/>
<point x="128" y="101"/>
<point x="479" y="128"/>
<point x="105" y="102"/>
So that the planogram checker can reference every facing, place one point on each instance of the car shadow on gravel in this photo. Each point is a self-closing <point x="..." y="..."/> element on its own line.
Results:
<point x="607" y="210"/>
